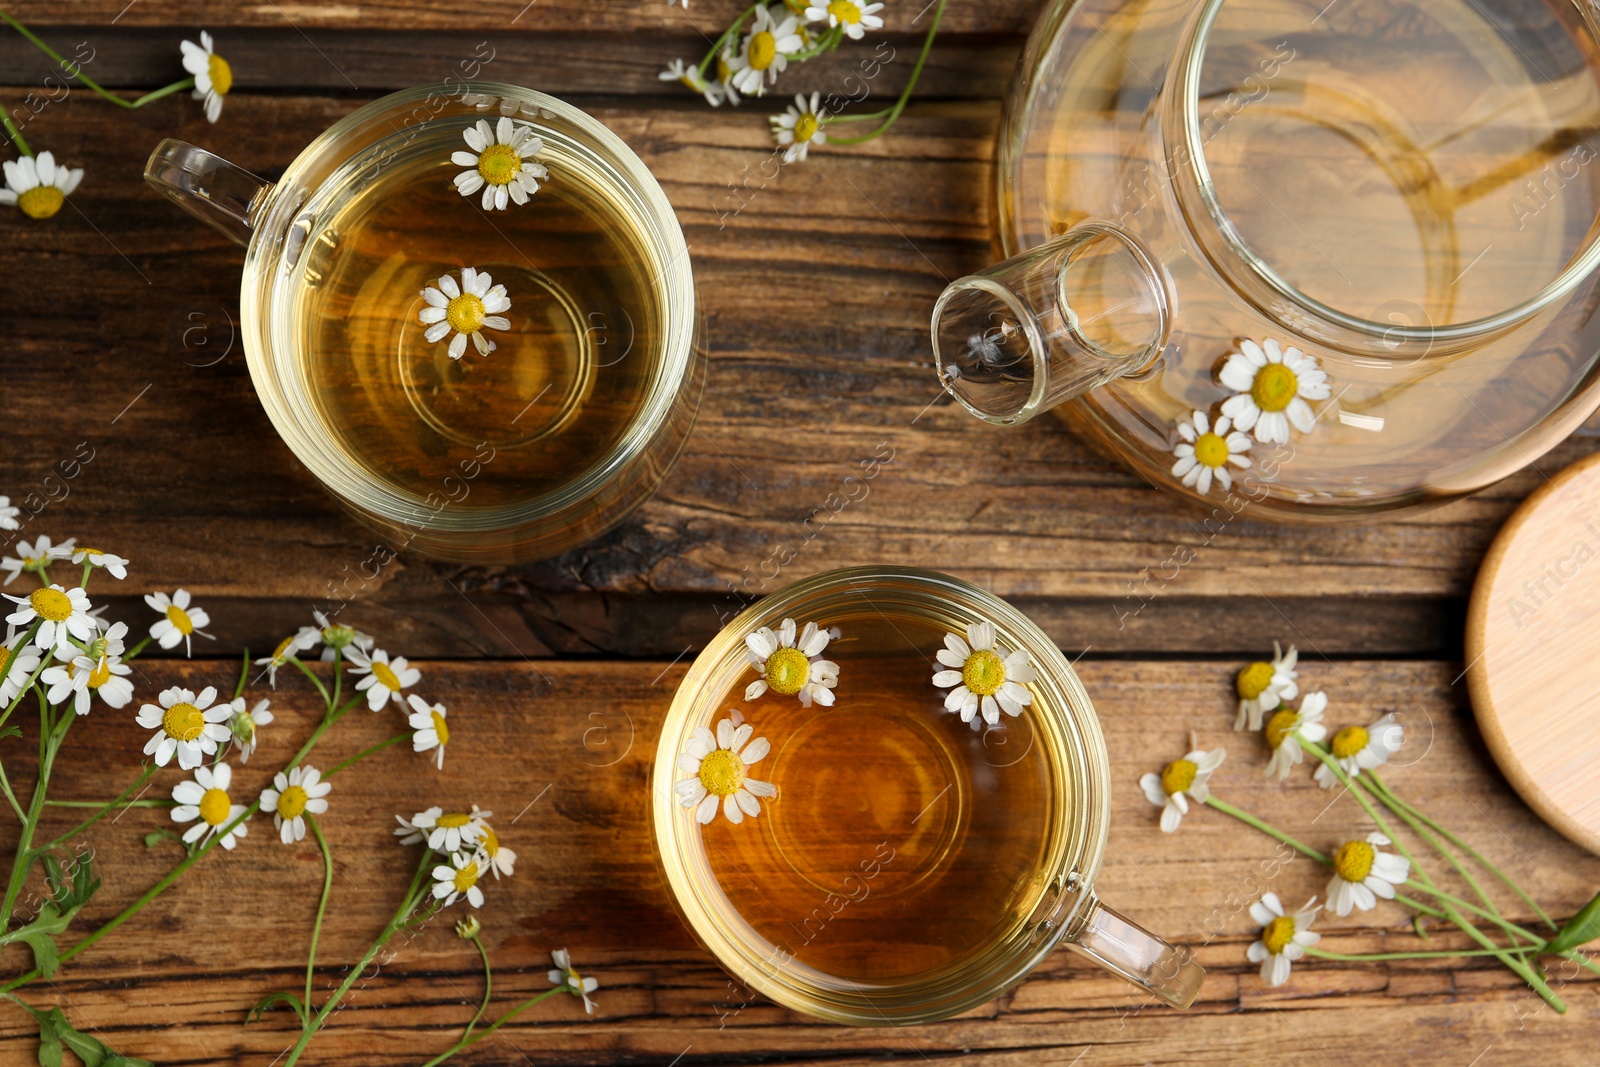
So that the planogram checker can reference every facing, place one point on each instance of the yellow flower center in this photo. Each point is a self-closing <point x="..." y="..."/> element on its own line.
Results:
<point x="1280" y="726"/>
<point x="984" y="673"/>
<point x="1211" y="450"/>
<point x="491" y="843"/>
<point x="183" y="721"/>
<point x="453" y="820"/>
<point x="467" y="877"/>
<point x="221" y="75"/>
<point x="466" y="313"/>
<point x="1353" y="860"/>
<point x="722" y="772"/>
<point x="788" y="670"/>
<point x="292" y="802"/>
<point x="806" y="127"/>
<point x="723" y="70"/>
<point x="41" y="202"/>
<point x="51" y="604"/>
<point x="180" y="619"/>
<point x="1349" y="741"/>
<point x="1278" y="934"/>
<point x="1253" y="680"/>
<point x="763" y="50"/>
<point x="1274" y="387"/>
<point x="214" y="807"/>
<point x="283" y="647"/>
<point x="5" y="658"/>
<point x="844" y="11"/>
<point x="1178" y="776"/>
<point x="441" y="729"/>
<point x="499" y="164"/>
<point x="101" y="674"/>
<point x="385" y="676"/>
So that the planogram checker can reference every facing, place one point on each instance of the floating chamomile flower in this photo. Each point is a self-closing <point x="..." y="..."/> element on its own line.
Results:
<point x="186" y="724"/>
<point x="18" y="661"/>
<point x="1204" y="452"/>
<point x="1262" y="686"/>
<point x="181" y="620"/>
<point x="444" y="831"/>
<point x="983" y="675"/>
<point x="468" y="309"/>
<point x="116" y="565"/>
<point x="35" y="557"/>
<point x="244" y="726"/>
<point x="855" y="18"/>
<point x="566" y="975"/>
<point x="8" y="514"/>
<point x="766" y="50"/>
<point x="63" y="614"/>
<point x="38" y="186"/>
<point x="432" y="732"/>
<point x="302" y="640"/>
<point x="720" y="766"/>
<point x="85" y="676"/>
<point x="1271" y="386"/>
<point x="1362" y="874"/>
<point x="1361" y="748"/>
<point x="291" y="797"/>
<point x="800" y="127"/>
<point x="206" y="799"/>
<point x="1284" y="938"/>
<point x="691" y="78"/>
<point x="459" y="879"/>
<point x="382" y="679"/>
<point x="1179" y="782"/>
<point x="501" y="163"/>
<point x="791" y="665"/>
<point x="1285" y="729"/>
<point x="213" y="77"/>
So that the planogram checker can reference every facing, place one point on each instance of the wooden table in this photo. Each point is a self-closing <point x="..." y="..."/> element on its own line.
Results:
<point x="119" y="326"/>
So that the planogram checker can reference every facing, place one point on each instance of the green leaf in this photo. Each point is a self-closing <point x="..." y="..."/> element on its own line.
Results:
<point x="1581" y="929"/>
<point x="272" y="999"/>
<point x="49" y="1038"/>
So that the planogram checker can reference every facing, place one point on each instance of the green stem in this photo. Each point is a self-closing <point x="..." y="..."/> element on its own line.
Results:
<point x="149" y="772"/>
<point x="488" y="986"/>
<point x="327" y="701"/>
<point x="468" y="1041"/>
<point x="244" y="675"/>
<point x="75" y="71"/>
<point x="22" y="863"/>
<point x="363" y="754"/>
<point x="5" y="783"/>
<point x="137" y="648"/>
<point x="15" y="135"/>
<point x="721" y="42"/>
<point x="322" y="903"/>
<point x="905" y="95"/>
<point x="1374" y="956"/>
<point x="1271" y="831"/>
<point x="99" y="804"/>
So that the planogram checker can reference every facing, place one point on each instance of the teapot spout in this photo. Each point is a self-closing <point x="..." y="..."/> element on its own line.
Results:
<point x="1050" y="324"/>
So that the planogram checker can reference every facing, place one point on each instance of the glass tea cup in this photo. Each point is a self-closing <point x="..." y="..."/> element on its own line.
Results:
<point x="584" y="403"/>
<point x="877" y="860"/>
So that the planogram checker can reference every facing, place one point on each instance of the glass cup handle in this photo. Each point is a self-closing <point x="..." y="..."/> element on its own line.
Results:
<point x="216" y="192"/>
<point x="1124" y="948"/>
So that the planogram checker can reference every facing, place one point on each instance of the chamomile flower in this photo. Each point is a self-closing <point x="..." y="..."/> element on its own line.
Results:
<point x="691" y="78"/>
<point x="725" y="74"/>
<point x="1271" y="386"/>
<point x="63" y="614"/>
<point x="468" y="309"/>
<point x="336" y="637"/>
<point x="1361" y="748"/>
<point x="290" y="797"/>
<point x="458" y="879"/>
<point x="81" y="677"/>
<point x="180" y="621"/>
<point x="383" y="679"/>
<point x="495" y="856"/>
<point x="1204" y="452"/>
<point x="766" y="50"/>
<point x="1362" y="874"/>
<point x="18" y="661"/>
<point x="501" y="162"/>
<point x="205" y="802"/>
<point x="8" y="514"/>
<point x="431" y="730"/>
<point x="303" y="640"/>
<point x="800" y="127"/>
<point x="1263" y="685"/>
<point x="444" y="831"/>
<point x="38" y="185"/>
<point x="855" y="18"/>
<point x="791" y="665"/>
<point x="1284" y="938"/>
<point x="213" y="77"/>
<point x="980" y="675"/>
<point x="1179" y="782"/>
<point x="468" y="928"/>
<point x="720" y="766"/>
<point x="116" y="565"/>
<point x="407" y="832"/>
<point x="35" y="557"/>
<point x="244" y="725"/>
<point x="566" y="975"/>
<point x="186" y="724"/>
<point x="1285" y="729"/>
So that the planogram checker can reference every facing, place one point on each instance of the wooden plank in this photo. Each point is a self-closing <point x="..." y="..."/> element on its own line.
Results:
<point x="817" y="294"/>
<point x="170" y="987"/>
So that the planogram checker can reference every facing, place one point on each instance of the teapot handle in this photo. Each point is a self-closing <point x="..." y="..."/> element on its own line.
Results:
<point x="1127" y="949"/>
<point x="225" y="197"/>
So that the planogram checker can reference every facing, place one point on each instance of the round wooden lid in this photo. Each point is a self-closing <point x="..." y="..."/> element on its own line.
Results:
<point x="1533" y="651"/>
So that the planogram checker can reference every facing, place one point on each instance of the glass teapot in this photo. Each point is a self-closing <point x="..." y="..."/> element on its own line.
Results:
<point x="1330" y="258"/>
